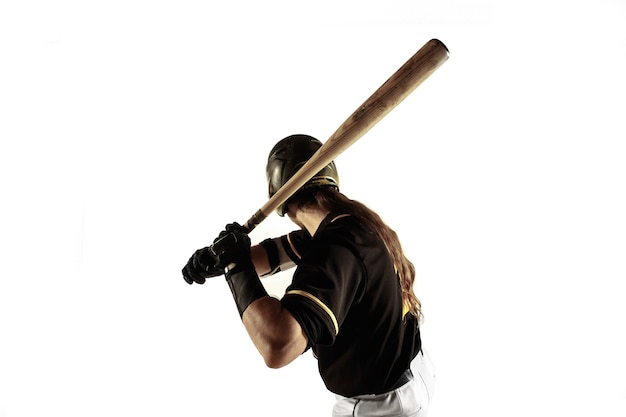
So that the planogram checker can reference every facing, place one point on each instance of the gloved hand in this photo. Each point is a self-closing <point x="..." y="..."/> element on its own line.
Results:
<point x="201" y="266"/>
<point x="231" y="249"/>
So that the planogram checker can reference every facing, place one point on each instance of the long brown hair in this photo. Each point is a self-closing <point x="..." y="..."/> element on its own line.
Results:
<point x="331" y="200"/>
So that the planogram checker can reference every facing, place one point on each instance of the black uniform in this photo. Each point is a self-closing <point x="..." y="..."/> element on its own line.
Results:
<point x="346" y="295"/>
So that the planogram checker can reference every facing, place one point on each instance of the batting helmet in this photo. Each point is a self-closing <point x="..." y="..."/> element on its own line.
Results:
<point x="288" y="156"/>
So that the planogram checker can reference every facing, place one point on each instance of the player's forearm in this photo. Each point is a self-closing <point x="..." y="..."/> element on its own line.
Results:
<point x="260" y="260"/>
<point x="276" y="334"/>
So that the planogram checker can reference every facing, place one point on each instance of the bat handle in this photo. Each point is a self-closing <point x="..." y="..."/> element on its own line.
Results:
<point x="254" y="221"/>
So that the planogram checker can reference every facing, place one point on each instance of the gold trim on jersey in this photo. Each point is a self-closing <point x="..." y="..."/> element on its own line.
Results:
<point x="319" y="303"/>
<point x="405" y="308"/>
<point x="340" y="217"/>
<point x="293" y="248"/>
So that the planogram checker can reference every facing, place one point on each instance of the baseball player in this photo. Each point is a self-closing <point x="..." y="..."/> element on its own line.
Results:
<point x="350" y="301"/>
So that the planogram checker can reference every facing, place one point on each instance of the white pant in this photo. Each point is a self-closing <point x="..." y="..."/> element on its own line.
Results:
<point x="410" y="400"/>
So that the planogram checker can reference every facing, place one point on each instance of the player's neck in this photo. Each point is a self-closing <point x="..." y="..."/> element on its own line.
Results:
<point x="308" y="218"/>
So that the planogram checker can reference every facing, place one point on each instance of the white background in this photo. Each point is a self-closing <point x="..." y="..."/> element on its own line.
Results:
<point x="133" y="131"/>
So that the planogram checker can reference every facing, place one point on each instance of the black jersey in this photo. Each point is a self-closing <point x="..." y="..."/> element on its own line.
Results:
<point x="346" y="295"/>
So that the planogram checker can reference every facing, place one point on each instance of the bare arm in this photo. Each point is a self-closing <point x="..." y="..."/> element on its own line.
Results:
<point x="260" y="260"/>
<point x="276" y="334"/>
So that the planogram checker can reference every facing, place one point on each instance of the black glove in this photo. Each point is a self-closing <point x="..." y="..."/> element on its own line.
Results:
<point x="232" y="246"/>
<point x="232" y="249"/>
<point x="201" y="266"/>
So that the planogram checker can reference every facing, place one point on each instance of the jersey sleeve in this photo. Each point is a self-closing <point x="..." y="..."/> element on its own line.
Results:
<point x="329" y="279"/>
<point x="284" y="252"/>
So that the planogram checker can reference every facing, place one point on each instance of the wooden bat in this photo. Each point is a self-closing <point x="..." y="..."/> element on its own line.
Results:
<point x="402" y="83"/>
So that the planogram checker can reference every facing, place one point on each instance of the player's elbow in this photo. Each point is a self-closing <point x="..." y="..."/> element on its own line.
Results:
<point x="284" y="347"/>
<point x="276" y="334"/>
<point x="275" y="362"/>
<point x="279" y="354"/>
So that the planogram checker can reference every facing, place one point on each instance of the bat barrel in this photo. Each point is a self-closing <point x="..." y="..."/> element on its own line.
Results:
<point x="402" y="83"/>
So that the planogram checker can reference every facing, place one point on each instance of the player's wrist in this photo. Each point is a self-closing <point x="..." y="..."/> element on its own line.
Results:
<point x="245" y="286"/>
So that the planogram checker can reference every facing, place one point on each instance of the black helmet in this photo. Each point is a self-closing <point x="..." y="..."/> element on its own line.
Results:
<point x="288" y="156"/>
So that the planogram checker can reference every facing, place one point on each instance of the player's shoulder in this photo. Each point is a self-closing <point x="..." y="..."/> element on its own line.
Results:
<point x="344" y="224"/>
<point x="335" y="222"/>
<point x="344" y="230"/>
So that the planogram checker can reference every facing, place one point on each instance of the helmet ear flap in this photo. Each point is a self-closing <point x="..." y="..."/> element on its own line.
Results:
<point x="288" y="156"/>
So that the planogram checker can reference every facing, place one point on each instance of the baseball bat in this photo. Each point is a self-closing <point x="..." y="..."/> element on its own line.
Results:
<point x="402" y="83"/>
